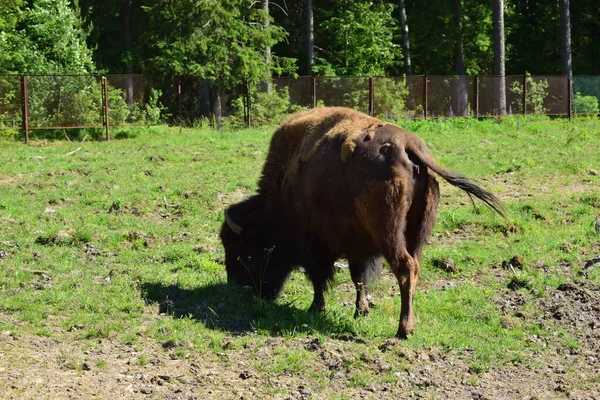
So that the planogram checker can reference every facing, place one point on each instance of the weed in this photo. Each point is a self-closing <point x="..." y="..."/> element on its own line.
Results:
<point x="142" y="360"/>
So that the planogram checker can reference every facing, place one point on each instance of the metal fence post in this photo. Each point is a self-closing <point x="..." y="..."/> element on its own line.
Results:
<point x="179" y="104"/>
<point x="25" y="106"/>
<point x="248" y="105"/>
<point x="425" y="95"/>
<point x="106" y="113"/>
<point x="314" y="91"/>
<point x="525" y="95"/>
<point x="477" y="96"/>
<point x="570" y="96"/>
<point x="371" y="96"/>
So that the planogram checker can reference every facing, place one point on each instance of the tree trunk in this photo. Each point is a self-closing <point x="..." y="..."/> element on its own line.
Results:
<point x="217" y="107"/>
<point x="565" y="25"/>
<point x="205" y="96"/>
<point x="459" y="85"/>
<point x="405" y="40"/>
<point x="310" y="37"/>
<point x="265" y="7"/>
<point x="499" y="57"/>
<point x="126" y="25"/>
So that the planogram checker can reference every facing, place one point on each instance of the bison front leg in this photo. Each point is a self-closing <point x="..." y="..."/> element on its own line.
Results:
<point x="363" y="273"/>
<point x="320" y="272"/>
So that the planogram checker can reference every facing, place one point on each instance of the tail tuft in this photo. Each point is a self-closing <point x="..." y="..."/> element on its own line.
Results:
<point x="464" y="183"/>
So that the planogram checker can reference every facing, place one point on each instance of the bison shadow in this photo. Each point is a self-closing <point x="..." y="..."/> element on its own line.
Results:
<point x="234" y="309"/>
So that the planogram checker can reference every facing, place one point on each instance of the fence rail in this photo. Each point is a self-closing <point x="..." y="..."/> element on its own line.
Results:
<point x="34" y="102"/>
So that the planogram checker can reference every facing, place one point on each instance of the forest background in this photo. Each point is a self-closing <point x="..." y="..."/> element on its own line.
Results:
<point x="228" y="43"/>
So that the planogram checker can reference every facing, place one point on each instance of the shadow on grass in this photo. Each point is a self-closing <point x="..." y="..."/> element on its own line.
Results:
<point x="234" y="309"/>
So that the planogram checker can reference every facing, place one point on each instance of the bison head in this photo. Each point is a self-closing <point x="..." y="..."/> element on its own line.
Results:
<point x="255" y="254"/>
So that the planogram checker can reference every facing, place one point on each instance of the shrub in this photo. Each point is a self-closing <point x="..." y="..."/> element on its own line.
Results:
<point x="266" y="107"/>
<point x="585" y="104"/>
<point x="537" y="91"/>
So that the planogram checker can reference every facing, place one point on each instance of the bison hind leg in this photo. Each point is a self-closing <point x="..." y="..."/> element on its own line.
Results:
<point x="364" y="273"/>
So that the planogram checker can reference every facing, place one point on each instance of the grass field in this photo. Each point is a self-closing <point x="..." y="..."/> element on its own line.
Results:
<point x="111" y="275"/>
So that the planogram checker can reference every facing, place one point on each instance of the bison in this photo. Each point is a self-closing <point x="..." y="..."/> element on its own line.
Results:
<point x="339" y="184"/>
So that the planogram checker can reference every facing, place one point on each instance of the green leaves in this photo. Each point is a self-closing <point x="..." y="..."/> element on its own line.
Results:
<point x="220" y="41"/>
<point x="359" y="38"/>
<point x="52" y="40"/>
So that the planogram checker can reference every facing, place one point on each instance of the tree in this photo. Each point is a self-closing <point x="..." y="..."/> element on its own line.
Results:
<point x="10" y="40"/>
<point x="534" y="36"/>
<point x="356" y="38"/>
<point x="310" y="37"/>
<point x="405" y="38"/>
<point x="499" y="56"/>
<point x="459" y="85"/>
<point x="220" y="42"/>
<point x="266" y="23"/>
<point x="47" y="38"/>
<point x="565" y="24"/>
<point x="586" y="36"/>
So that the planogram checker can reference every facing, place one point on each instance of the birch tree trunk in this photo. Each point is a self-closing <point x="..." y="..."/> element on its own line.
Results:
<point x="265" y="6"/>
<point x="459" y="85"/>
<point x="405" y="39"/>
<point x="126" y="25"/>
<point x="499" y="56"/>
<point x="310" y="37"/>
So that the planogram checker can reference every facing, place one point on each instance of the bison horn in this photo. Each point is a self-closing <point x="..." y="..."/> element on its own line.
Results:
<point x="234" y="227"/>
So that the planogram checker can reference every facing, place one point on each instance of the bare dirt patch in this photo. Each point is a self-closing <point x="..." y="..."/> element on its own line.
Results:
<point x="35" y="367"/>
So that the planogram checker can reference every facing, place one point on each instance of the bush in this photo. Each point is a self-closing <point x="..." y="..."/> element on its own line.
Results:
<point x="390" y="97"/>
<point x="537" y="91"/>
<point x="585" y="104"/>
<point x="266" y="107"/>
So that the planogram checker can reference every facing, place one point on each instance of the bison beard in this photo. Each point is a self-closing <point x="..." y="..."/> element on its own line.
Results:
<point x="338" y="183"/>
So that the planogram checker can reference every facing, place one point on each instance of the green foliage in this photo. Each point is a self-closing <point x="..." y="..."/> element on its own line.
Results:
<point x="47" y="38"/>
<point x="64" y="101"/>
<point x="118" y="109"/>
<point x="146" y="113"/>
<point x="221" y="41"/>
<point x="390" y="97"/>
<point x="585" y="104"/>
<point x="537" y="91"/>
<point x="359" y="38"/>
<point x="266" y="107"/>
<point x="389" y="94"/>
<point x="73" y="101"/>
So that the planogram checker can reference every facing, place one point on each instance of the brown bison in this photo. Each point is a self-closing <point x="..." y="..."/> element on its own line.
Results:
<point x="338" y="183"/>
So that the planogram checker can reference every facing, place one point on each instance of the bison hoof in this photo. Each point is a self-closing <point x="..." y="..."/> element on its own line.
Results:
<point x="319" y="308"/>
<point x="402" y="335"/>
<point x="403" y="332"/>
<point x="361" y="312"/>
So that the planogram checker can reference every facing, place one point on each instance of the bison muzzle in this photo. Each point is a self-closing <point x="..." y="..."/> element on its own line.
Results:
<point x="339" y="184"/>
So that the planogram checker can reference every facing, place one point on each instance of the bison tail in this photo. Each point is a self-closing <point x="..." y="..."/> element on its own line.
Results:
<point x="458" y="180"/>
<point x="471" y="188"/>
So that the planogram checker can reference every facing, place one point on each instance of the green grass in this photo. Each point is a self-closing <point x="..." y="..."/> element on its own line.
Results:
<point x="120" y="240"/>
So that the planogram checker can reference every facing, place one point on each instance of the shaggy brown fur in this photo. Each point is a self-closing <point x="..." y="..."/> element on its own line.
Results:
<point x="338" y="183"/>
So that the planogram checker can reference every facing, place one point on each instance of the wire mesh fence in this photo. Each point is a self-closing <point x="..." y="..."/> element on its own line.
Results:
<point x="11" y="100"/>
<point x="93" y="101"/>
